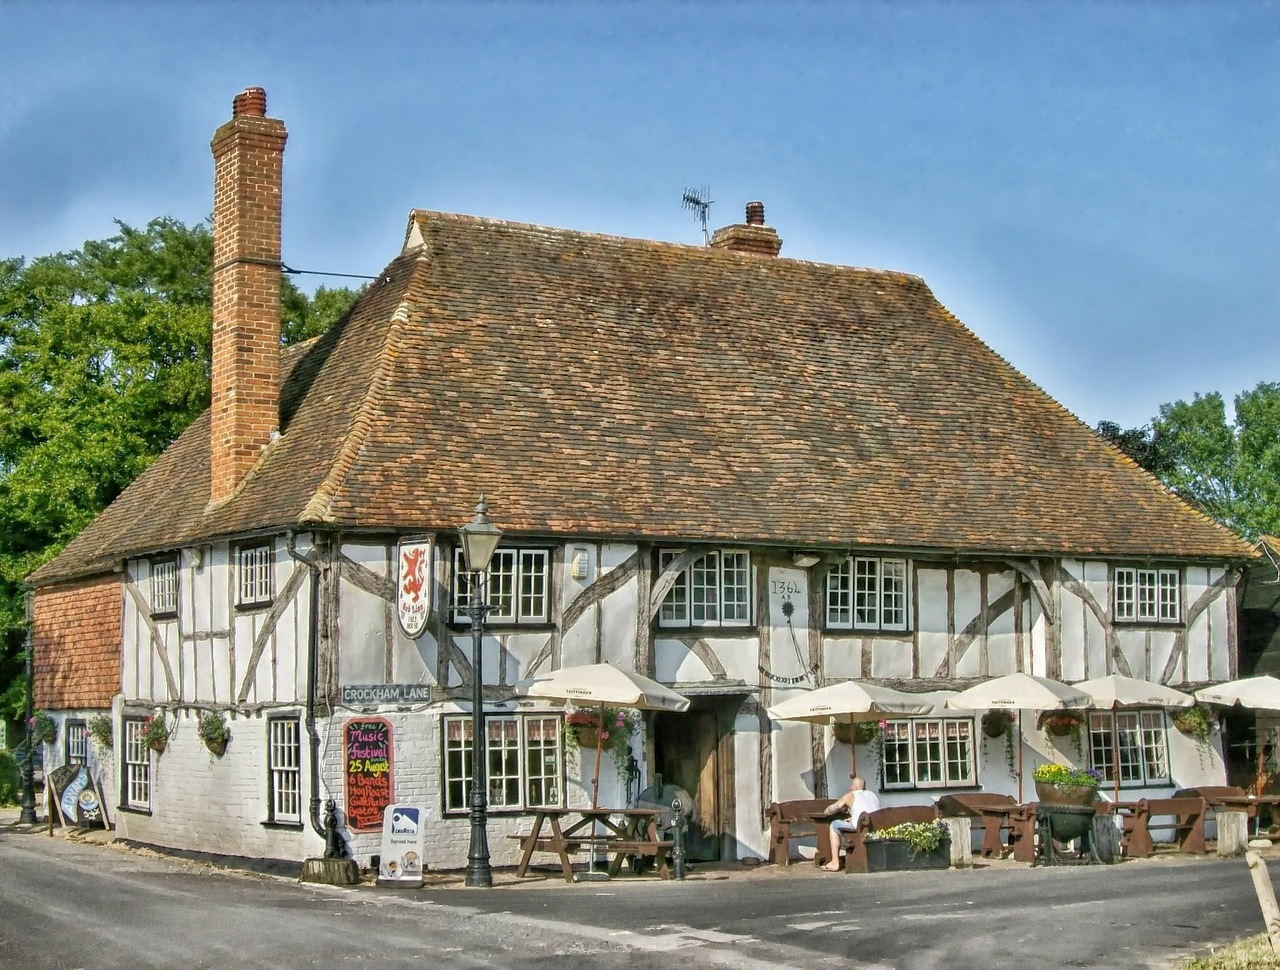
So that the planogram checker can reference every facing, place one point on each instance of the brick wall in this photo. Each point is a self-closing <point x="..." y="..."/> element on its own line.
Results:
<point x="76" y="663"/>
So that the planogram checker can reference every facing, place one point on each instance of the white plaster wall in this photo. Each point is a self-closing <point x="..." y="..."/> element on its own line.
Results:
<point x="1001" y="643"/>
<point x="842" y="657"/>
<point x="931" y="603"/>
<point x="891" y="657"/>
<point x="361" y="636"/>
<point x="100" y="760"/>
<point x="752" y="838"/>
<point x="674" y="663"/>
<point x="968" y="605"/>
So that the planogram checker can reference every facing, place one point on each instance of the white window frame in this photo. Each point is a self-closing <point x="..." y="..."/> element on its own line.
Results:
<point x="1141" y="737"/>
<point x="77" y="741"/>
<point x="715" y="590"/>
<point x="936" y="752"/>
<point x="284" y="770"/>
<point x="164" y="587"/>
<point x="519" y="590"/>
<point x="524" y="769"/>
<point x="136" y="774"/>
<point x="255" y="567"/>
<point x="1146" y="594"/>
<point x="869" y="593"/>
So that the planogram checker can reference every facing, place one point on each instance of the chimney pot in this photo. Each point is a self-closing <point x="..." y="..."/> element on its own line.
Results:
<point x="755" y="213"/>
<point x="250" y="103"/>
<point x="752" y="237"/>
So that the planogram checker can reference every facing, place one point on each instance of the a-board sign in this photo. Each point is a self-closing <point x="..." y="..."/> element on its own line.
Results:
<point x="401" y="863"/>
<point x="76" y="798"/>
<point x="369" y="781"/>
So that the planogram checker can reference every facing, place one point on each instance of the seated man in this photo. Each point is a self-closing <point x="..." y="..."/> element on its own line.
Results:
<point x="857" y="801"/>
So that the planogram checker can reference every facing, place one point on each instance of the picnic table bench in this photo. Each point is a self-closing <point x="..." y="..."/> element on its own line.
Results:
<point x="998" y="812"/>
<point x="1187" y="822"/>
<point x="619" y="832"/>
<point x="796" y="817"/>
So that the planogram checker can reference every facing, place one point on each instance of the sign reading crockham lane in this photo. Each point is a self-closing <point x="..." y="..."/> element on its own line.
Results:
<point x="369" y="695"/>
<point x="367" y="743"/>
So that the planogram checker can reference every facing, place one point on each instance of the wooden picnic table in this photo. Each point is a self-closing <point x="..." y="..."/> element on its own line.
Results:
<point x="997" y="812"/>
<point x="617" y="832"/>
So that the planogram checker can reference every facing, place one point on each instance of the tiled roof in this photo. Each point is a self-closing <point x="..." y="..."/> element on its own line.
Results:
<point x="600" y="386"/>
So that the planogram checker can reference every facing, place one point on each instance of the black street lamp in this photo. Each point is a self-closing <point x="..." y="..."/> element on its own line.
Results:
<point x="479" y="538"/>
<point x="28" y="814"/>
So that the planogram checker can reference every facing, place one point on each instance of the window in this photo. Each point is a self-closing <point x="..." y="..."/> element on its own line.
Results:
<point x="77" y="743"/>
<point x="928" y="753"/>
<point x="868" y="594"/>
<point x="164" y="587"/>
<point x="524" y="767"/>
<point x="517" y="586"/>
<point x="284" y="778"/>
<point x="714" y="590"/>
<point x="254" y="564"/>
<point x="137" y="766"/>
<point x="1138" y="738"/>
<point x="1147" y="595"/>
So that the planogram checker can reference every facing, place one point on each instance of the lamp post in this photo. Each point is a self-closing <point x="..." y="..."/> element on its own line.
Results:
<point x="480" y="538"/>
<point x="28" y="814"/>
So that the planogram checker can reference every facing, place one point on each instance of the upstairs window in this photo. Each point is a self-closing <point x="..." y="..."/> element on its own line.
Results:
<point x="868" y="594"/>
<point x="1147" y="595"/>
<point x="714" y="590"/>
<point x="254" y="574"/>
<point x="518" y="586"/>
<point x="164" y="587"/>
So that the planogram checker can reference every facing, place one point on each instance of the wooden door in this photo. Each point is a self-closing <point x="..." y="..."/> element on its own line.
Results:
<point x="686" y="750"/>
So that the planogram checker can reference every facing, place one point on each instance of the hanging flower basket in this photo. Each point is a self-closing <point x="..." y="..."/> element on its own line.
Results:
<point x="842" y="731"/>
<point x="43" y="727"/>
<point x="996" y="723"/>
<point x="214" y="732"/>
<point x="587" y="735"/>
<point x="217" y="747"/>
<point x="1061" y="723"/>
<point x="1194" y="723"/>
<point x="155" y="735"/>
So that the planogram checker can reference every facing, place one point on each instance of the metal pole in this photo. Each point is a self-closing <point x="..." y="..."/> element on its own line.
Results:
<point x="28" y="814"/>
<point x="479" y="874"/>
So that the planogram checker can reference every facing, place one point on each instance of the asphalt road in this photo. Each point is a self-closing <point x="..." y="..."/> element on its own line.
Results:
<point x="69" y="905"/>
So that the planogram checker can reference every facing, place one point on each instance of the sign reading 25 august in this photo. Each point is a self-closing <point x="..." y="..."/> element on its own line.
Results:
<point x="369" y="784"/>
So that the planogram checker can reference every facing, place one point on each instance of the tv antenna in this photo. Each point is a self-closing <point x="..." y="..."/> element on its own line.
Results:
<point x="699" y="202"/>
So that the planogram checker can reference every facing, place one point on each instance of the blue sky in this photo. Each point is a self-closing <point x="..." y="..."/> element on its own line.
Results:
<point x="1093" y="188"/>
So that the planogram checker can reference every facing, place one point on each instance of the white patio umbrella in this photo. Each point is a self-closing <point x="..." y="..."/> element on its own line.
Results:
<point x="1260" y="693"/>
<point x="599" y="685"/>
<point x="854" y="701"/>
<point x="1115" y="691"/>
<point x="1019" y="692"/>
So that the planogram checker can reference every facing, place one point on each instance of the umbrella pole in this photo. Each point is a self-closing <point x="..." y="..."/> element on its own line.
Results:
<point x="595" y="787"/>
<point x="1019" y="743"/>
<point x="1115" y="753"/>
<point x="853" y="748"/>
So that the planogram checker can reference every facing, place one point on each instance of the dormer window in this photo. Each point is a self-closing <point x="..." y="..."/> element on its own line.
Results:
<point x="164" y="587"/>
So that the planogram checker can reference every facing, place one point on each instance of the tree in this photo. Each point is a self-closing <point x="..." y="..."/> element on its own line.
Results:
<point x="1230" y="470"/>
<point x="104" y="360"/>
<point x="1143" y="445"/>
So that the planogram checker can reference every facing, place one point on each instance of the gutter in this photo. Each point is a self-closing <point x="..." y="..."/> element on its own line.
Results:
<point x="313" y="735"/>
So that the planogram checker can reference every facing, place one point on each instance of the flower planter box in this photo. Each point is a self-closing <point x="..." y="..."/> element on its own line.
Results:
<point x="1051" y="794"/>
<point x="886" y="854"/>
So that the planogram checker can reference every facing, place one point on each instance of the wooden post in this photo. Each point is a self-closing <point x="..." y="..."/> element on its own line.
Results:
<point x="961" y="841"/>
<point x="1266" y="897"/>
<point x="1233" y="833"/>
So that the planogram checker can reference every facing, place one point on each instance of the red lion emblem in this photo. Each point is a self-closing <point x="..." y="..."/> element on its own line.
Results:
<point x="413" y="573"/>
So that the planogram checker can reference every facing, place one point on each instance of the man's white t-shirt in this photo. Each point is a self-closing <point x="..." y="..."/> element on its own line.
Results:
<point x="863" y="801"/>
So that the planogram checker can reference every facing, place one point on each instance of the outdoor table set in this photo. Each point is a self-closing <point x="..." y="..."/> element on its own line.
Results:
<point x="616" y="833"/>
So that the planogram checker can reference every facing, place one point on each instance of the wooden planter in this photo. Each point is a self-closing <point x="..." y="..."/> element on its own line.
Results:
<point x="886" y="854"/>
<point x="1077" y="795"/>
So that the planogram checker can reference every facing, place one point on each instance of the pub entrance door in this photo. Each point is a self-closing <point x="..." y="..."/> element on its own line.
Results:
<point x="694" y="751"/>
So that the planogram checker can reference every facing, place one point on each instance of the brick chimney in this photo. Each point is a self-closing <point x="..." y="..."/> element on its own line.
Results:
<point x="248" y="152"/>
<point x="753" y="237"/>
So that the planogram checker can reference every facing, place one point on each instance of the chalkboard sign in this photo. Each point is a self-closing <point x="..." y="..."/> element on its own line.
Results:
<point x="76" y="798"/>
<point x="367" y="742"/>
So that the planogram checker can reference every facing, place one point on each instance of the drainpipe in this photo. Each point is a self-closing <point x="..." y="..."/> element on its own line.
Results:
<point x="313" y="735"/>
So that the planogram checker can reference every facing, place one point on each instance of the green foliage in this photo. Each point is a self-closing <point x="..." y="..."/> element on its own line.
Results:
<point x="1254" y="953"/>
<point x="618" y="725"/>
<point x="1229" y="470"/>
<point x="102" y="730"/>
<point x="104" y="360"/>
<point x="154" y="733"/>
<point x="921" y="836"/>
<point x="10" y="784"/>
<point x="1144" y="445"/>
<point x="213" y="727"/>
<point x="43" y="727"/>
<point x="1055" y="774"/>
<point x="1195" y="723"/>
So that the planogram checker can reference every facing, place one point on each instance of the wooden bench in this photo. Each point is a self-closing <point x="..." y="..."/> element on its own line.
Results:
<point x="790" y="819"/>
<point x="997" y="812"/>
<point x="1187" y="824"/>
<point x="855" y="842"/>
